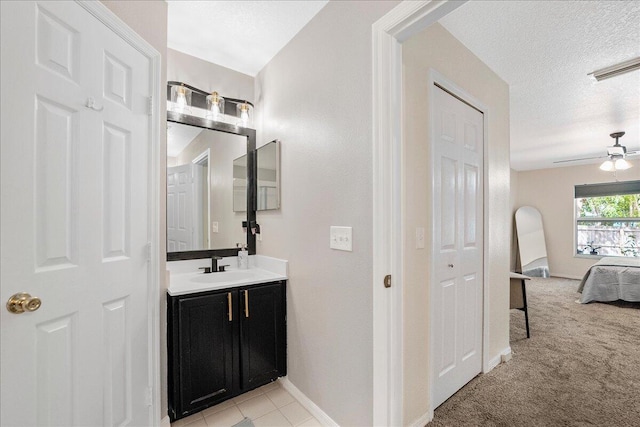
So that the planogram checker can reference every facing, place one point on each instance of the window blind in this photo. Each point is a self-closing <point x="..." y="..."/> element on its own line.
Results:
<point x="607" y="189"/>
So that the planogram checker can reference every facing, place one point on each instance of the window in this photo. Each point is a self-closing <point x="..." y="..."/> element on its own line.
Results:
<point x="608" y="219"/>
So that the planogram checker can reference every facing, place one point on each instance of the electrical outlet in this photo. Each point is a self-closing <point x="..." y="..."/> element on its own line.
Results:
<point x="214" y="227"/>
<point x="341" y="238"/>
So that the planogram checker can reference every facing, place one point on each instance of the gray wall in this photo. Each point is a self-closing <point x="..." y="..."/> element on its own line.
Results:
<point x="208" y="76"/>
<point x="315" y="96"/>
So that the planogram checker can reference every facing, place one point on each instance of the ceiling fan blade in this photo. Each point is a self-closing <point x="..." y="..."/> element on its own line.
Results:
<point x="584" y="158"/>
<point x="633" y="153"/>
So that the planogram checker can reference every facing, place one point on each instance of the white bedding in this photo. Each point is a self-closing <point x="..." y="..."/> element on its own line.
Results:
<point x="612" y="279"/>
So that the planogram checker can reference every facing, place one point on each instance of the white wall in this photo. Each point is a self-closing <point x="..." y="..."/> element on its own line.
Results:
<point x="208" y="76"/>
<point x="435" y="48"/>
<point x="551" y="191"/>
<point x="149" y="20"/>
<point x="315" y="97"/>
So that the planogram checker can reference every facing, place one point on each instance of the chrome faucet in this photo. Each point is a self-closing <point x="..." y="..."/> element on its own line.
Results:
<point x="214" y="266"/>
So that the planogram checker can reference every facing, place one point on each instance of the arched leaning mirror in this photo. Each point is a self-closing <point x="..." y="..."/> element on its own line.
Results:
<point x="532" y="248"/>
<point x="202" y="177"/>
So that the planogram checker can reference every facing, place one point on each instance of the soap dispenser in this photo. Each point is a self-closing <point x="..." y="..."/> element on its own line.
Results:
<point x="243" y="257"/>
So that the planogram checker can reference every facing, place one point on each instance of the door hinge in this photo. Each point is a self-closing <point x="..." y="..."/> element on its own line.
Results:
<point x="387" y="281"/>
<point x="150" y="105"/>
<point x="148" y="396"/>
<point x="148" y="251"/>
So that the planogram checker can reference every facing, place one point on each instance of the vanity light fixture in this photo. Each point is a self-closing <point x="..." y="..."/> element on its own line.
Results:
<point x="215" y="106"/>
<point x="181" y="98"/>
<point x="189" y="100"/>
<point x="244" y="112"/>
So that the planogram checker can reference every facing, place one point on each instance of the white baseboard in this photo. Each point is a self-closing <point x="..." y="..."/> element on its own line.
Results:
<point x="165" y="422"/>
<point x="314" y="409"/>
<point x="504" y="355"/>
<point x="423" y="420"/>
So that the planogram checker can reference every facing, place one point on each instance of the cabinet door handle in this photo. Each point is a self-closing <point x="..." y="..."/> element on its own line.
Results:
<point x="230" y="310"/>
<point x="246" y="303"/>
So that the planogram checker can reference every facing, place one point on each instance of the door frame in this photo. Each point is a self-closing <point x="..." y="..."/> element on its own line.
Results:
<point x="115" y="24"/>
<point x="459" y="92"/>
<point x="206" y="154"/>
<point x="388" y="33"/>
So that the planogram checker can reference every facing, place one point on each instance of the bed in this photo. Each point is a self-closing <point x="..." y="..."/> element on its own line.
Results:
<point x="611" y="279"/>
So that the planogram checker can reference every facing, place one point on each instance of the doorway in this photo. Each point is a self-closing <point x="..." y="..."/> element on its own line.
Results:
<point x="403" y="359"/>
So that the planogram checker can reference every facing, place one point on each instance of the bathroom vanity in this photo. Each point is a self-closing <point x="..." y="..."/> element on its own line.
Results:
<point x="226" y="332"/>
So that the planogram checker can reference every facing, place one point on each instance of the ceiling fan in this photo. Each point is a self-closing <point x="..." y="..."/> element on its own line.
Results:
<point x="616" y="156"/>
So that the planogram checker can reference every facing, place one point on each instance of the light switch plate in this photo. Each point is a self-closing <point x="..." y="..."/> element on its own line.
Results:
<point x="214" y="227"/>
<point x="341" y="238"/>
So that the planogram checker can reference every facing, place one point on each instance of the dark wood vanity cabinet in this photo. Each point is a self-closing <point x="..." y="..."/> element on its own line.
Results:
<point x="223" y="343"/>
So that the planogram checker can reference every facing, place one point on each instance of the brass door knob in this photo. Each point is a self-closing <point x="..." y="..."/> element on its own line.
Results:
<point x="21" y="302"/>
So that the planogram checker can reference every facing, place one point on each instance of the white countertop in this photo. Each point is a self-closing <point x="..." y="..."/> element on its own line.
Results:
<point x="185" y="278"/>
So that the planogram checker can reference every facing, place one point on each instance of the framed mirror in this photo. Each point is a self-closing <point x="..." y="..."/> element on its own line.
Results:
<point x="201" y="183"/>
<point x="267" y="179"/>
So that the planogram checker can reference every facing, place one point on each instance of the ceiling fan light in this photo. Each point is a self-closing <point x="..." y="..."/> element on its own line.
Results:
<point x="622" y="164"/>
<point x="607" y="166"/>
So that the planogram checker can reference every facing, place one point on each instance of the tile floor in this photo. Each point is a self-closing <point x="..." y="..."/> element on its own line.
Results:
<point x="267" y="406"/>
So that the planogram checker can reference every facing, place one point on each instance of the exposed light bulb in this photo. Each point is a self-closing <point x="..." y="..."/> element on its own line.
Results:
<point x="181" y="100"/>
<point x="215" y="106"/>
<point x="215" y="111"/>
<point x="622" y="164"/>
<point x="244" y="114"/>
<point x="607" y="166"/>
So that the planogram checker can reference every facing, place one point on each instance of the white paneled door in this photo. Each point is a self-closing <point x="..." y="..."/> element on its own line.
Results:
<point x="75" y="152"/>
<point x="457" y="285"/>
<point x="180" y="208"/>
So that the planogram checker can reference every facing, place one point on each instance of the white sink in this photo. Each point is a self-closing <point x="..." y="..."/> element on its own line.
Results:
<point x="185" y="279"/>
<point x="224" y="277"/>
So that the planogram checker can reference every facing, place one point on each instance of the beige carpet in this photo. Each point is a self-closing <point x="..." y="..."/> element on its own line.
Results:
<point x="581" y="367"/>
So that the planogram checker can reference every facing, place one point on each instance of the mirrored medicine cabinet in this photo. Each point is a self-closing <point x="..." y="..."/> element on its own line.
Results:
<point x="267" y="179"/>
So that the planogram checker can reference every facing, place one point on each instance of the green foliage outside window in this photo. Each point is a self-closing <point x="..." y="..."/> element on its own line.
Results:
<point x="627" y="206"/>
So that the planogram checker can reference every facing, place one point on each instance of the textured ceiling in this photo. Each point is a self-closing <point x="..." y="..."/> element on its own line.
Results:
<point x="544" y="51"/>
<point x="241" y="35"/>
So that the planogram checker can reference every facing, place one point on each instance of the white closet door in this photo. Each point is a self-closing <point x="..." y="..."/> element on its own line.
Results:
<point x="75" y="150"/>
<point x="456" y="292"/>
